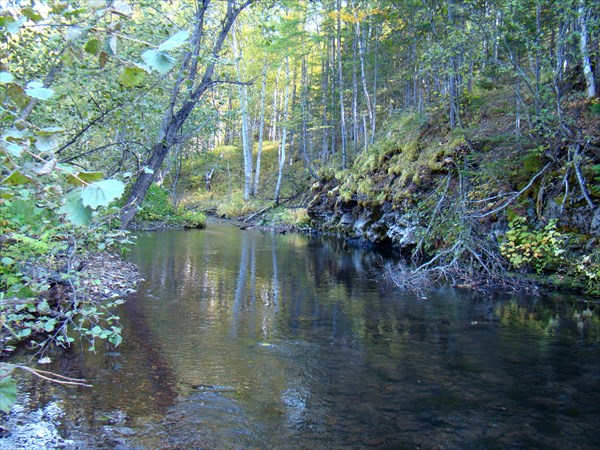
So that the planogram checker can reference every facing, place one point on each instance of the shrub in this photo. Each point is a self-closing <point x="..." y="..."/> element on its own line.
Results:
<point x="156" y="206"/>
<point x="192" y="219"/>
<point x="527" y="247"/>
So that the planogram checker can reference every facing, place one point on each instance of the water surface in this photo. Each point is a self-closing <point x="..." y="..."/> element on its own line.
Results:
<point x="248" y="339"/>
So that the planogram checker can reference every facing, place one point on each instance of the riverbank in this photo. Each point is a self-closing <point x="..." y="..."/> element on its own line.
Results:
<point x="101" y="278"/>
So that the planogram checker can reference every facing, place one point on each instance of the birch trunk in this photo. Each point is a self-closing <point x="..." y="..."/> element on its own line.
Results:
<point x="585" y="54"/>
<point x="283" y="132"/>
<point x="261" y="127"/>
<point x="246" y="140"/>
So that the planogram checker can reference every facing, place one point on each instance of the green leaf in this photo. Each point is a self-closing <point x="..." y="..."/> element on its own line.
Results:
<point x="115" y="339"/>
<point x="177" y="40"/>
<point x="73" y="208"/>
<point x="17" y="95"/>
<point x="31" y="14"/>
<point x="159" y="61"/>
<point x="43" y="306"/>
<point x="37" y="90"/>
<point x="89" y="177"/>
<point x="16" y="177"/>
<point x="131" y="76"/>
<point x="101" y="193"/>
<point x="111" y="46"/>
<point x="14" y="149"/>
<point x="6" y="77"/>
<point x="46" y="143"/>
<point x="92" y="46"/>
<point x="12" y="26"/>
<point x="49" y="325"/>
<point x="7" y="261"/>
<point x="8" y="393"/>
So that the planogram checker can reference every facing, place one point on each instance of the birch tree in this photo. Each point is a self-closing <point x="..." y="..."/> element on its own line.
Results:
<point x="191" y="83"/>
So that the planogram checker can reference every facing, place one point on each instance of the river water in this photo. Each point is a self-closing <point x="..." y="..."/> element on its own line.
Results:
<point x="249" y="339"/>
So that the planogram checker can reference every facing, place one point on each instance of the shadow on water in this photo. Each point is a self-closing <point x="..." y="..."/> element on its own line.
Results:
<point x="257" y="340"/>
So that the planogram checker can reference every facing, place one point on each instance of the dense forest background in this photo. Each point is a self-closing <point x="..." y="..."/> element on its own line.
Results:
<point x="463" y="133"/>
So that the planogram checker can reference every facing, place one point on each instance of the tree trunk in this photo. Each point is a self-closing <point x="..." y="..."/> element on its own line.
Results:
<point x="283" y="132"/>
<point x="585" y="54"/>
<point x="261" y="128"/>
<point x="362" y="44"/>
<point x="246" y="139"/>
<point x="341" y="82"/>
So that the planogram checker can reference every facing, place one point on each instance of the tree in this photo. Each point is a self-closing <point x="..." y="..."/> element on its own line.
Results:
<point x="183" y="101"/>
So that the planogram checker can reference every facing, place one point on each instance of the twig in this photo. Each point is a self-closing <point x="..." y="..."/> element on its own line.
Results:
<point x="57" y="378"/>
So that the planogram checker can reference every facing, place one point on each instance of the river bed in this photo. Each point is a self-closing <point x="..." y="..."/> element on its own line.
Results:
<point x="252" y="339"/>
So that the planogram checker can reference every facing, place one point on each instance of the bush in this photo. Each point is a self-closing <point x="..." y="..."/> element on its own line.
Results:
<point x="192" y="219"/>
<point x="156" y="206"/>
<point x="526" y="247"/>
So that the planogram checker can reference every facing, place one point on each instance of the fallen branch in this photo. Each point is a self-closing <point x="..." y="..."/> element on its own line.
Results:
<point x="514" y="197"/>
<point x="54" y="377"/>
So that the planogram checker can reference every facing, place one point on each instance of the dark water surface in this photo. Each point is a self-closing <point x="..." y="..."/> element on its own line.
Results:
<point x="247" y="339"/>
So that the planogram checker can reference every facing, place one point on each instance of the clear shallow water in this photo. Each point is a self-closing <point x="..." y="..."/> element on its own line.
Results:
<point x="246" y="339"/>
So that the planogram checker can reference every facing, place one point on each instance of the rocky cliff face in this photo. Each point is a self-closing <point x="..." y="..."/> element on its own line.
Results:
<point x="384" y="224"/>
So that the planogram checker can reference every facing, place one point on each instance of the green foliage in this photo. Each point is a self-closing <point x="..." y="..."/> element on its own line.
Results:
<point x="157" y="205"/>
<point x="289" y="217"/>
<point x="8" y="393"/>
<point x="537" y="249"/>
<point x="588" y="270"/>
<point x="193" y="219"/>
<point x="235" y="206"/>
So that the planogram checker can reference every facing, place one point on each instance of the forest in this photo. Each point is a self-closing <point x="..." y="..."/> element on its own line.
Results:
<point x="464" y="134"/>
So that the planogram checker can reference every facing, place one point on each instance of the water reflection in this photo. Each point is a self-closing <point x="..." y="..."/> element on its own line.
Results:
<point x="286" y="341"/>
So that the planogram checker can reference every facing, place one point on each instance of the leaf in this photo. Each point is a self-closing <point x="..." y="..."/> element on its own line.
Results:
<point x="111" y="46"/>
<point x="73" y="33"/>
<point x="16" y="177"/>
<point x="102" y="59"/>
<point x="46" y="143"/>
<point x="7" y="261"/>
<point x="177" y="40"/>
<point x="6" y="77"/>
<point x="17" y="95"/>
<point x="37" y="90"/>
<point x="46" y="168"/>
<point x="31" y="14"/>
<point x="121" y="8"/>
<point x="73" y="208"/>
<point x="92" y="46"/>
<point x="12" y="26"/>
<point x="131" y="76"/>
<point x="89" y="177"/>
<point x="101" y="193"/>
<point x="14" y="149"/>
<point x="159" y="61"/>
<point x="8" y="393"/>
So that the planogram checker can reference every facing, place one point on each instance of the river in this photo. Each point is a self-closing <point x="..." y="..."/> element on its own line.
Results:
<point x="249" y="339"/>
